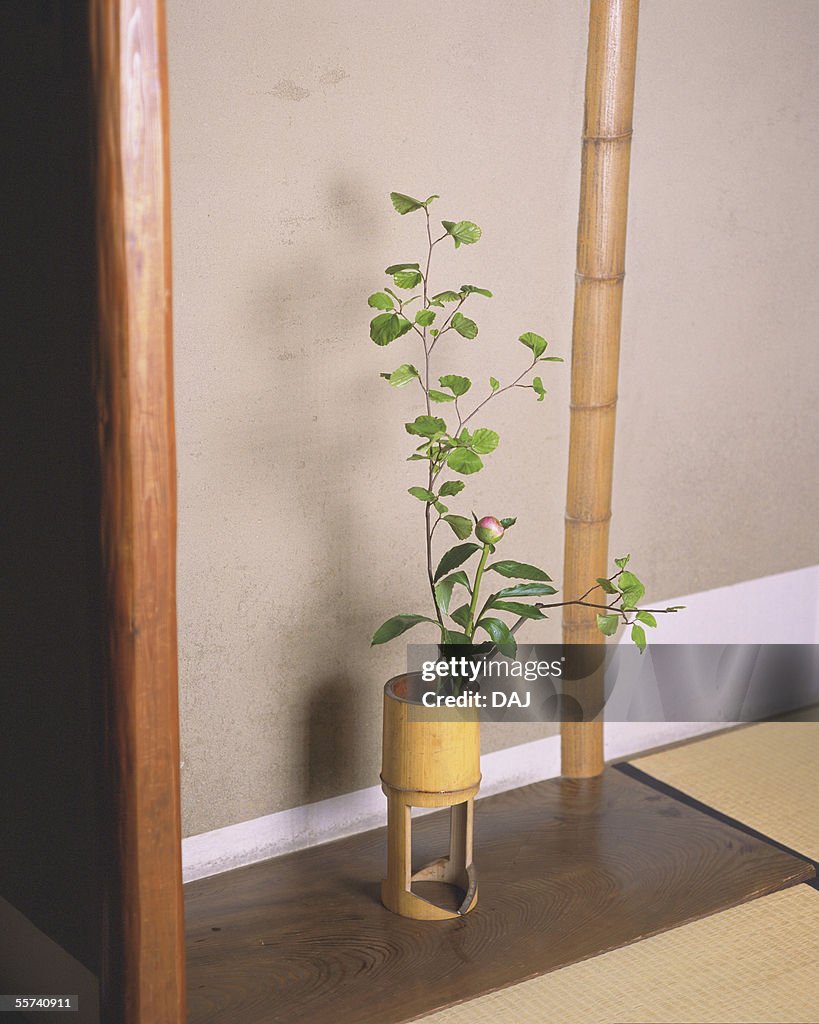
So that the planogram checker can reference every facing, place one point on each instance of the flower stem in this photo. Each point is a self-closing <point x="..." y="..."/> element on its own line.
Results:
<point x="470" y="622"/>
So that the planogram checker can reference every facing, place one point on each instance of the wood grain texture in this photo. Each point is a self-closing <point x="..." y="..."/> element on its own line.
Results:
<point x="143" y="965"/>
<point x="568" y="868"/>
<point x="601" y="247"/>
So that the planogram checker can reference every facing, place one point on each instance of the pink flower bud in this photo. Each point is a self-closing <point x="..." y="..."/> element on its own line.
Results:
<point x="489" y="530"/>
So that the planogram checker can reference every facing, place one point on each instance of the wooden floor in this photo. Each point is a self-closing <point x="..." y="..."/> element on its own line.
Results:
<point x="567" y="869"/>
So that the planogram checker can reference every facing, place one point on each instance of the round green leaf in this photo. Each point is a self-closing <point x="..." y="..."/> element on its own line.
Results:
<point x="540" y="391"/>
<point x="406" y="204"/>
<point x="422" y="494"/>
<point x="426" y="426"/>
<point x="442" y="297"/>
<point x="607" y="624"/>
<point x="464" y="326"/>
<point x="396" y="267"/>
<point x="380" y="300"/>
<point x="424" y="317"/>
<point x="464" y="232"/>
<point x="403" y="375"/>
<point x="440" y="396"/>
<point x="534" y="342"/>
<point x="463" y="461"/>
<point x="457" y="385"/>
<point x="407" y="279"/>
<point x="470" y="289"/>
<point x="451" y="488"/>
<point x="484" y="441"/>
<point x="387" y="327"/>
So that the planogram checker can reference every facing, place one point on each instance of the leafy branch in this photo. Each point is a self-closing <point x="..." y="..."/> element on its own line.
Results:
<point x="461" y="451"/>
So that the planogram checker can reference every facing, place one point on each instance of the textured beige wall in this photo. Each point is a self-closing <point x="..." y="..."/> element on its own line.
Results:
<point x="290" y="124"/>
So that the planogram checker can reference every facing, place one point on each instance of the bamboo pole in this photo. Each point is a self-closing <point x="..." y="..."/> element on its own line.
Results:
<point x="601" y="244"/>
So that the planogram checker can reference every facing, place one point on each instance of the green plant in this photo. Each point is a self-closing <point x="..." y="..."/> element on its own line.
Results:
<point x="453" y="448"/>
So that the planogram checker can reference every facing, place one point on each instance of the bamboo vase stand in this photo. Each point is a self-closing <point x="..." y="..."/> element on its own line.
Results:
<point x="455" y="869"/>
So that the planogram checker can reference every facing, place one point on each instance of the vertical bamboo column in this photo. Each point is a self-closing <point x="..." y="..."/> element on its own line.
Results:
<point x="601" y="244"/>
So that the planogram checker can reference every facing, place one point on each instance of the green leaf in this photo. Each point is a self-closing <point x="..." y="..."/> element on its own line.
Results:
<point x="397" y="625"/>
<point x="527" y="590"/>
<point x="621" y="563"/>
<point x="470" y="289"/>
<point x="484" y="441"/>
<point x="396" y="267"/>
<point x="440" y="507"/>
<point x="500" y="633"/>
<point x="519" y="571"/>
<point x="453" y="558"/>
<point x="552" y="359"/>
<point x="424" y="317"/>
<point x="406" y="204"/>
<point x="442" y="297"/>
<point x="464" y="326"/>
<point x="387" y="327"/>
<point x="509" y="521"/>
<point x="453" y="637"/>
<point x="631" y="588"/>
<point x="463" y="461"/>
<point x="457" y="385"/>
<point x="403" y="375"/>
<point x="539" y="389"/>
<point x="638" y="635"/>
<point x="647" y="618"/>
<point x="460" y="615"/>
<point x="440" y="396"/>
<point x="451" y="488"/>
<point x="526" y="611"/>
<point x="494" y="384"/>
<point x="606" y="585"/>
<point x="422" y="494"/>
<point x="407" y="279"/>
<point x="607" y="624"/>
<point x="461" y="526"/>
<point x="534" y="342"/>
<point x="464" y="232"/>
<point x="429" y="199"/>
<point x="443" y="593"/>
<point x="426" y="426"/>
<point x="461" y="577"/>
<point x="380" y="300"/>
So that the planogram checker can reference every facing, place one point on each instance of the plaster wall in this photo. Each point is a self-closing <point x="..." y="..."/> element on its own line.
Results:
<point x="290" y="125"/>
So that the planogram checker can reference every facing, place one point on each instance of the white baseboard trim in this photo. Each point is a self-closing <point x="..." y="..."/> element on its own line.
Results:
<point x="787" y="605"/>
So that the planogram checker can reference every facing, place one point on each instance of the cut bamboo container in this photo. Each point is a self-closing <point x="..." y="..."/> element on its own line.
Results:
<point x="601" y="245"/>
<point x="428" y="761"/>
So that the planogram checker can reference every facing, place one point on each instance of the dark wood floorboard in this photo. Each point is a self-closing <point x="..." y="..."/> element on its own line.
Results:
<point x="567" y="869"/>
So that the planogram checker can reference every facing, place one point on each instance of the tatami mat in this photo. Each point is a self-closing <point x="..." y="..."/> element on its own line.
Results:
<point x="758" y="962"/>
<point x="763" y="775"/>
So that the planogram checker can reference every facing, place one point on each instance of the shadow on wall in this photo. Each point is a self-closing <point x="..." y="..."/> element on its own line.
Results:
<point x="309" y="461"/>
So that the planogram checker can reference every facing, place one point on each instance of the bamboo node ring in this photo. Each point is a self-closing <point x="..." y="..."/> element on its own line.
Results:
<point x="609" y="138"/>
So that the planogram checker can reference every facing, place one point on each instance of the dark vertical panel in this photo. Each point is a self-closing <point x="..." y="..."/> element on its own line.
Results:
<point x="50" y="679"/>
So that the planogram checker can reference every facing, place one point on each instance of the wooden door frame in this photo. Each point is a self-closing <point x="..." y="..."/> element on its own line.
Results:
<point x="143" y="960"/>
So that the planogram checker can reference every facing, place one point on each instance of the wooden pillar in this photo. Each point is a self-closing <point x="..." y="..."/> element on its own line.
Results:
<point x="143" y="964"/>
<point x="601" y="244"/>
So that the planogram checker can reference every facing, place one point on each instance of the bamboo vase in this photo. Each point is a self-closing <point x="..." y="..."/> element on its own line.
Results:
<point x="428" y="762"/>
